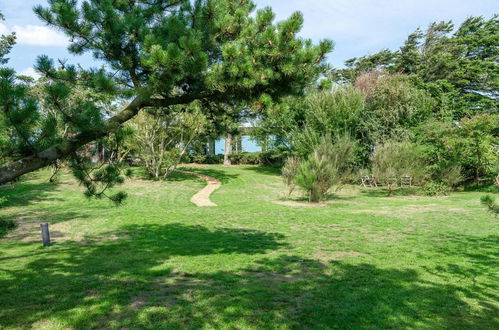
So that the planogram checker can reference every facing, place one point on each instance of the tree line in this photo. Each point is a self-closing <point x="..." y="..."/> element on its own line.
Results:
<point x="178" y="73"/>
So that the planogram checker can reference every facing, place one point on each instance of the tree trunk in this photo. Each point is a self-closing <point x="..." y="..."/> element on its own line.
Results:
<point x="211" y="147"/>
<point x="228" y="149"/>
<point x="49" y="156"/>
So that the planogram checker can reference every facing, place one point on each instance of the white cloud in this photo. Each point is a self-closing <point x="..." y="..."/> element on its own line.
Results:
<point x="3" y="29"/>
<point x="37" y="35"/>
<point x="365" y="26"/>
<point x="30" y="72"/>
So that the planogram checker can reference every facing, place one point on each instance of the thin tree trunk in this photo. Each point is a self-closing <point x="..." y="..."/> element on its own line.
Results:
<point x="212" y="147"/>
<point x="228" y="150"/>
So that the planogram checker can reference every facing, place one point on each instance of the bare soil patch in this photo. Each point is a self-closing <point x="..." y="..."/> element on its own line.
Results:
<point x="299" y="204"/>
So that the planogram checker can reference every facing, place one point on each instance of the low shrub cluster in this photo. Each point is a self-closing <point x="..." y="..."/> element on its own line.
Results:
<point x="246" y="158"/>
<point x="274" y="157"/>
<point x="392" y="161"/>
<point x="433" y="188"/>
<point x="205" y="159"/>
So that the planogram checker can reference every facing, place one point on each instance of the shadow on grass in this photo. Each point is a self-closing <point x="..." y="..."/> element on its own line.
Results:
<point x="26" y="192"/>
<point x="179" y="176"/>
<point x="479" y="263"/>
<point x="21" y="194"/>
<point x="221" y="175"/>
<point x="119" y="283"/>
<point x="301" y="197"/>
<point x="383" y="192"/>
<point x="266" y="170"/>
<point x="110" y="269"/>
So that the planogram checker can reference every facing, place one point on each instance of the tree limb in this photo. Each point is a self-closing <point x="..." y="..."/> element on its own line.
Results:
<point x="72" y="144"/>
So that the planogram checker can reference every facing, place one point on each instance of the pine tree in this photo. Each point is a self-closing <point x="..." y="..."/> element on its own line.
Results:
<point x="6" y="43"/>
<point x="156" y="53"/>
<point x="490" y="202"/>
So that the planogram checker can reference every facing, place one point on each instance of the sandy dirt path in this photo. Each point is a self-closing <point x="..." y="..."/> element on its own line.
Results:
<point x="202" y="197"/>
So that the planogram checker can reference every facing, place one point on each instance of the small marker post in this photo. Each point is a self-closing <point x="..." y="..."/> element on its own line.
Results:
<point x="45" y="234"/>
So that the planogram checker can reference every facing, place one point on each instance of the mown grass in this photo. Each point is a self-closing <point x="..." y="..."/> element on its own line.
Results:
<point x="363" y="260"/>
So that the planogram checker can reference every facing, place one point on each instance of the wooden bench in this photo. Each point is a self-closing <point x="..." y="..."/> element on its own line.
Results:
<point x="369" y="181"/>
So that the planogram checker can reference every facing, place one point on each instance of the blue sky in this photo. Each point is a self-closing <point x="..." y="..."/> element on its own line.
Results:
<point x="357" y="27"/>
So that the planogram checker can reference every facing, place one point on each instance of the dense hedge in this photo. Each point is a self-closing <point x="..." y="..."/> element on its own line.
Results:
<point x="273" y="157"/>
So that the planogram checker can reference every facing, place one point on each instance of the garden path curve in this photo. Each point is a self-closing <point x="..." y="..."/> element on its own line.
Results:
<point x="202" y="197"/>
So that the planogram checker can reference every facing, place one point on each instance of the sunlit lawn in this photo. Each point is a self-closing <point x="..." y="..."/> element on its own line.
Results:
<point x="364" y="260"/>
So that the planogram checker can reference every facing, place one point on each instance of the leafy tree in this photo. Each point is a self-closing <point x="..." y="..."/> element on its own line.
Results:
<point x="301" y="121"/>
<point x="157" y="54"/>
<point x="476" y="143"/>
<point x="442" y="159"/>
<point x="162" y="139"/>
<point x="6" y="44"/>
<point x="469" y="145"/>
<point x="459" y="67"/>
<point x="393" y="106"/>
<point x="392" y="160"/>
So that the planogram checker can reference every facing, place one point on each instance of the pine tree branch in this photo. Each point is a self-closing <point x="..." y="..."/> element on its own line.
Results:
<point x="72" y="144"/>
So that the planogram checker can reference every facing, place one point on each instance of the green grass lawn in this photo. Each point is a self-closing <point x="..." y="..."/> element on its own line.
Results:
<point x="364" y="260"/>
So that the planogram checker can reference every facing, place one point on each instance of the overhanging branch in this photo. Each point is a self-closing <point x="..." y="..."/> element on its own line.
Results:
<point x="72" y="144"/>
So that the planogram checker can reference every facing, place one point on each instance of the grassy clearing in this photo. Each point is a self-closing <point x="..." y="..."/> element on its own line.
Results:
<point x="363" y="260"/>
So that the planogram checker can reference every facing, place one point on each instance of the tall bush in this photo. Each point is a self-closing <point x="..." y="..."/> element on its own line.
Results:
<point x="393" y="160"/>
<point x="330" y="164"/>
<point x="161" y="140"/>
<point x="289" y="171"/>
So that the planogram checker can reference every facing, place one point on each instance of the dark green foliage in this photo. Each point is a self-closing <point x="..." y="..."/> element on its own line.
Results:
<point x="432" y="188"/>
<point x="458" y="67"/>
<point x="394" y="105"/>
<point x="157" y="54"/>
<point x="275" y="156"/>
<point x="208" y="45"/>
<point x="271" y="157"/>
<point x="6" y="225"/>
<point x="6" y="43"/>
<point x="392" y="160"/>
<point x="477" y="139"/>
<point x="247" y="158"/>
<point x="490" y="203"/>
<point x="461" y="151"/>
<point x="330" y="164"/>
<point x="206" y="159"/>
<point x="99" y="179"/>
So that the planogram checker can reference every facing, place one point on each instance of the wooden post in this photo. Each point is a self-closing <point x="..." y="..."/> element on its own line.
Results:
<point x="45" y="234"/>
